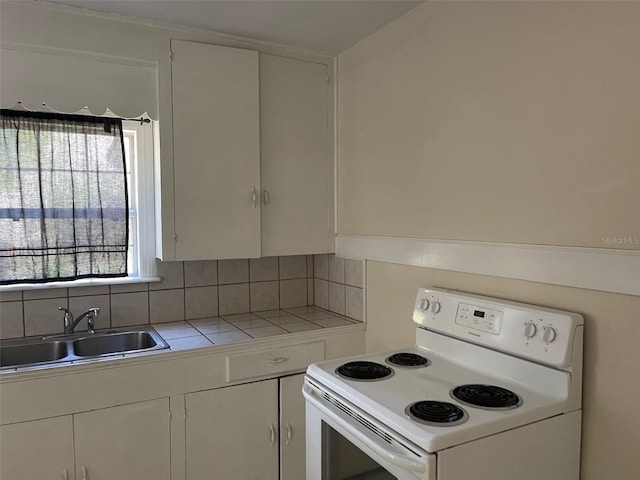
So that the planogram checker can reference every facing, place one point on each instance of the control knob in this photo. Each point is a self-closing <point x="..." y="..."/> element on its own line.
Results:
<point x="530" y="329"/>
<point x="435" y="306"/>
<point x="549" y="334"/>
<point x="424" y="305"/>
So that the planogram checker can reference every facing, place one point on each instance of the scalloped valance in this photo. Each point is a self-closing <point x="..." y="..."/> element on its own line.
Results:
<point x="71" y="83"/>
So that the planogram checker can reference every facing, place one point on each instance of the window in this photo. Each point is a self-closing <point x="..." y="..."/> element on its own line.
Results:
<point x="63" y="198"/>
<point x="139" y="156"/>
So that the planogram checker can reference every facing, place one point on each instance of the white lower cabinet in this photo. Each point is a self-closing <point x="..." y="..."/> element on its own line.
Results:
<point x="250" y="431"/>
<point x="123" y="442"/>
<point x="232" y="432"/>
<point x="292" y="428"/>
<point x="39" y="449"/>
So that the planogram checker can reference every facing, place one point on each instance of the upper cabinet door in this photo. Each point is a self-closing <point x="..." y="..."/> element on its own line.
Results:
<point x="216" y="141"/>
<point x="297" y="171"/>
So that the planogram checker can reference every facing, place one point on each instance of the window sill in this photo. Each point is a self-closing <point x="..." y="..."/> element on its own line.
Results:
<point x="85" y="282"/>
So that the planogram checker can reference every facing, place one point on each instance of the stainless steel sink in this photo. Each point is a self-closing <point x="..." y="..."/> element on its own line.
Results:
<point x="40" y="352"/>
<point x="113" y="343"/>
<point x="16" y="355"/>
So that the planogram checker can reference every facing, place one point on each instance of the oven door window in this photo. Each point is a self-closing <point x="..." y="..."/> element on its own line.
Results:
<point x="342" y="460"/>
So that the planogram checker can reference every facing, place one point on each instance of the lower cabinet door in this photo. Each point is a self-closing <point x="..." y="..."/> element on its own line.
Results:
<point x="232" y="432"/>
<point x="125" y="442"/>
<point x="292" y="428"/>
<point x="39" y="449"/>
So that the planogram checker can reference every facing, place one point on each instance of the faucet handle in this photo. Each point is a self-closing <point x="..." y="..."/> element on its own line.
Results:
<point x="92" y="313"/>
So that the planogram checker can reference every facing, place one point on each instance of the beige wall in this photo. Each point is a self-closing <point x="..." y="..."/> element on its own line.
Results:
<point x="494" y="121"/>
<point x="611" y="431"/>
<point x="503" y="122"/>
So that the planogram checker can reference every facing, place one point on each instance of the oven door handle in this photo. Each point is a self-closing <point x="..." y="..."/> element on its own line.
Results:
<point x="403" y="461"/>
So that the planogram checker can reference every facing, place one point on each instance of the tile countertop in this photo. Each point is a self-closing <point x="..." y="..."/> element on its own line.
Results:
<point x="195" y="336"/>
<point x="227" y="329"/>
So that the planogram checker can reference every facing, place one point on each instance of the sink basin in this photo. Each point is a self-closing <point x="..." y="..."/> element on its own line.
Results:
<point x="15" y="355"/>
<point x="21" y="353"/>
<point x="113" y="343"/>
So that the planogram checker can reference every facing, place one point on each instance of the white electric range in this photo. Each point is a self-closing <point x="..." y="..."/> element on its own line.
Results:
<point x="491" y="390"/>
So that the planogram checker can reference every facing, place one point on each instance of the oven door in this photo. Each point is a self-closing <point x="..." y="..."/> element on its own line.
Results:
<point x="346" y="443"/>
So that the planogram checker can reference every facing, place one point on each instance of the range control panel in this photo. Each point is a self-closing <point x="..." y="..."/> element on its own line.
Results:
<point x="538" y="333"/>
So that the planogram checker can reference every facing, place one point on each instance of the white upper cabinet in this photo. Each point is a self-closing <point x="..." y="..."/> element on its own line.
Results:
<point x="216" y="143"/>
<point x="252" y="166"/>
<point x="297" y="171"/>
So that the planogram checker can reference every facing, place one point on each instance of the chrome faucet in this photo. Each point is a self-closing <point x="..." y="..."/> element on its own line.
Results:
<point x="70" y="324"/>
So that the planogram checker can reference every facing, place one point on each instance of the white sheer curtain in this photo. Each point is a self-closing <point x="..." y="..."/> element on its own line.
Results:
<point x="63" y="198"/>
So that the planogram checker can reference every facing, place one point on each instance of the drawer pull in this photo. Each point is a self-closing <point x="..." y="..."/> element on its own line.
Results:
<point x="279" y="360"/>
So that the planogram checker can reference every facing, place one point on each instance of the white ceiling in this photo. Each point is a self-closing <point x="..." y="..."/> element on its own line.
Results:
<point x="324" y="25"/>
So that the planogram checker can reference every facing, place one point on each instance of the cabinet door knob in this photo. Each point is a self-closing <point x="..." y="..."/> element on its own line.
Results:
<point x="289" y="433"/>
<point x="85" y="473"/>
<point x="265" y="196"/>
<point x="254" y="197"/>
<point x="65" y="474"/>
<point x="272" y="434"/>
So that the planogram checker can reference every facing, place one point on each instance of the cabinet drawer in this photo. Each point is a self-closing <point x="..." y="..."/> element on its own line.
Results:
<point x="274" y="361"/>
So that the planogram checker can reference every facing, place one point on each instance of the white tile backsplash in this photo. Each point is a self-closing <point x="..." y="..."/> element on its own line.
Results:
<point x="233" y="271"/>
<point x="166" y="306"/>
<point x="172" y="274"/>
<point x="129" y="287"/>
<point x="42" y="317"/>
<point x="321" y="293"/>
<point x="189" y="290"/>
<point x="44" y="293"/>
<point x="294" y="266"/>
<point x="11" y="320"/>
<point x="321" y="266"/>
<point x="336" y="269"/>
<point x="263" y="269"/>
<point x="354" y="302"/>
<point x="201" y="302"/>
<point x="293" y="293"/>
<point x="129" y="309"/>
<point x="338" y="285"/>
<point x="233" y="298"/>
<point x="11" y="296"/>
<point x="200" y="273"/>
<point x="264" y="295"/>
<point x="89" y="291"/>
<point x="353" y="272"/>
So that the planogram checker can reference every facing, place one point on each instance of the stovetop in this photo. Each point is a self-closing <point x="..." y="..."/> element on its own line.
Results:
<point x="388" y="400"/>
<point x="526" y="360"/>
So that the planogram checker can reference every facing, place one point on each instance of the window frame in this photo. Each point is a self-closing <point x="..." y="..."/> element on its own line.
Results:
<point x="141" y="136"/>
<point x="142" y="174"/>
